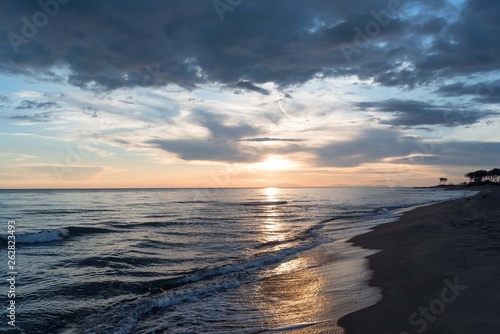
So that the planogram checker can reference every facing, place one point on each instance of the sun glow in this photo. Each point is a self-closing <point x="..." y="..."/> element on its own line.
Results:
<point x="271" y="193"/>
<point x="274" y="163"/>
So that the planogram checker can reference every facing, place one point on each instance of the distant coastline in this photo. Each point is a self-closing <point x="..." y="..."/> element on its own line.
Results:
<point x="467" y="186"/>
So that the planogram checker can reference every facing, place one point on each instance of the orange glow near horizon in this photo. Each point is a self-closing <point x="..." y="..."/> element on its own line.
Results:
<point x="273" y="171"/>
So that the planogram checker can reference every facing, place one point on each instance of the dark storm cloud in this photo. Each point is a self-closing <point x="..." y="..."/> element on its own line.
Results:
<point x="29" y="104"/>
<point x="207" y="150"/>
<point x="482" y="92"/>
<point x="214" y="123"/>
<point x="482" y="154"/>
<point x="377" y="145"/>
<point x="125" y="43"/>
<point x="414" y="160"/>
<point x="432" y="26"/>
<point x="33" y="111"/>
<point x="414" y="113"/>
<point x="34" y="118"/>
<point x="370" y="146"/>
<point x="267" y="139"/>
<point x="468" y="45"/>
<point x="455" y="89"/>
<point x="247" y="85"/>
<point x="221" y="150"/>
<point x="222" y="145"/>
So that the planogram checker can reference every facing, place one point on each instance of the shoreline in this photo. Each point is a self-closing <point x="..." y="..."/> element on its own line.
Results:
<point x="438" y="269"/>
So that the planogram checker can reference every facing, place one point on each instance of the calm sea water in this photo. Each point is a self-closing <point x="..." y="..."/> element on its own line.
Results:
<point x="193" y="261"/>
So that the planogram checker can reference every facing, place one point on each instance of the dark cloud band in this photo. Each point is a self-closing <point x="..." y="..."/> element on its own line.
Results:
<point x="114" y="44"/>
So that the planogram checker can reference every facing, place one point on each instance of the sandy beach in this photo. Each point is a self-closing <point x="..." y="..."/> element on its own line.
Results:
<point x="438" y="268"/>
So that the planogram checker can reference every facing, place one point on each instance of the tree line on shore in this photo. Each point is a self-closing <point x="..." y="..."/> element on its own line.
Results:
<point x="484" y="176"/>
<point x="478" y="177"/>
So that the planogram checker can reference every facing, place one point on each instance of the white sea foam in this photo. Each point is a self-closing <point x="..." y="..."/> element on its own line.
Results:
<point x="380" y="211"/>
<point x="127" y="324"/>
<point x="295" y="326"/>
<point x="272" y="257"/>
<point x="45" y="236"/>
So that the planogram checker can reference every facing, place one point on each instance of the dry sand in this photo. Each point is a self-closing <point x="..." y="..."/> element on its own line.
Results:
<point x="439" y="270"/>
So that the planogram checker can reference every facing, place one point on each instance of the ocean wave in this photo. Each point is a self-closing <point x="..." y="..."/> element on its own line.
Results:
<point x="120" y="324"/>
<point x="380" y="211"/>
<point x="177" y="291"/>
<point x="57" y="234"/>
<point x="164" y="215"/>
<point x="45" y="236"/>
<point x="259" y="203"/>
<point x="195" y="202"/>
<point x="64" y="211"/>
<point x="259" y="261"/>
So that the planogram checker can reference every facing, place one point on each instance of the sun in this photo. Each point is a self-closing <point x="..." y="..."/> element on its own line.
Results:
<point x="275" y="163"/>
<point x="271" y="193"/>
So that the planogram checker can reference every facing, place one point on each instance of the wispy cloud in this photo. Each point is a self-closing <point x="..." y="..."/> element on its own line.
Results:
<point x="18" y="156"/>
<point x="267" y="139"/>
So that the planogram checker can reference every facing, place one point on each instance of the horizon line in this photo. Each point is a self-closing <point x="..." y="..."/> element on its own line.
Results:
<point x="210" y="188"/>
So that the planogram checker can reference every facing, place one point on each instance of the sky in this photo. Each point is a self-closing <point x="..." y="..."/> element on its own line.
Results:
<point x="247" y="93"/>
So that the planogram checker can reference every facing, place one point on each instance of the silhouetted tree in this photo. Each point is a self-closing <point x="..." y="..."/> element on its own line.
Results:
<point x="443" y="180"/>
<point x="481" y="175"/>
<point x="494" y="175"/>
<point x="477" y="176"/>
<point x="470" y="175"/>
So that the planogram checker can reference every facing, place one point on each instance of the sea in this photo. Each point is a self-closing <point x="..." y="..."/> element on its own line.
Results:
<point x="267" y="260"/>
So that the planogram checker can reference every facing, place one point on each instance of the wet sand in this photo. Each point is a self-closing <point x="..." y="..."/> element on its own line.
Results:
<point x="438" y="268"/>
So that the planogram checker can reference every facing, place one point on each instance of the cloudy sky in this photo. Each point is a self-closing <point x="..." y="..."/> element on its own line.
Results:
<point x="236" y="93"/>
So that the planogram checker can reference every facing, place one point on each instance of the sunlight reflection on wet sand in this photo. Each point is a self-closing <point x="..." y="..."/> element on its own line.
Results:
<point x="308" y="294"/>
